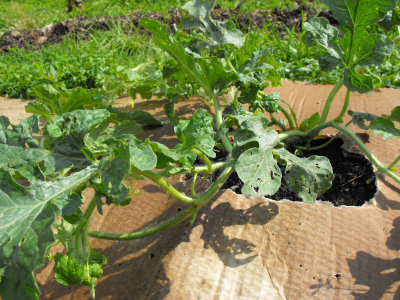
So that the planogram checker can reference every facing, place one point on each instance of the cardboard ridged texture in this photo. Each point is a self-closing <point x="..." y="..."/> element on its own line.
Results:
<point x="252" y="248"/>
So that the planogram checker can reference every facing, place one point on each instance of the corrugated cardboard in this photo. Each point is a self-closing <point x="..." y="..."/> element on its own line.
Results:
<point x="253" y="248"/>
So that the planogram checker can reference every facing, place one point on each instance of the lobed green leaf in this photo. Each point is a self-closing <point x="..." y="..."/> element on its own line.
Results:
<point x="26" y="216"/>
<point x="308" y="177"/>
<point x="382" y="125"/>
<point x="220" y="32"/>
<point x="357" y="48"/>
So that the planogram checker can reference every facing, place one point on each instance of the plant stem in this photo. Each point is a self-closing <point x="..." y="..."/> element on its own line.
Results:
<point x="329" y="101"/>
<point x="54" y="244"/>
<point x="182" y="197"/>
<point x="200" y="169"/>
<point x="228" y="62"/>
<point x="197" y="202"/>
<point x="287" y="115"/>
<point x="277" y="122"/>
<point x="165" y="185"/>
<point x="218" y="117"/>
<point x="285" y="135"/>
<point x="368" y="153"/>
<point x="317" y="129"/>
<point x="145" y="233"/>
<point x="231" y="93"/>
<point x="193" y="184"/>
<point x="236" y="96"/>
<point x="324" y="145"/>
<point x="205" y="159"/>
<point x="394" y="162"/>
<point x="284" y="111"/>
<point x="83" y="226"/>
<point x="339" y="119"/>
<point x="318" y="147"/>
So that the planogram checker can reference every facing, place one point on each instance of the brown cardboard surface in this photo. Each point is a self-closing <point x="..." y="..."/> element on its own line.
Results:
<point x="253" y="248"/>
<point x="13" y="109"/>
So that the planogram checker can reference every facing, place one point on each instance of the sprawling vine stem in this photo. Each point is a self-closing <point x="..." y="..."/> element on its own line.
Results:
<point x="284" y="111"/>
<point x="182" y="197"/>
<point x="228" y="62"/>
<point x="287" y="115"/>
<point x="305" y="135"/>
<point x="394" y="162"/>
<point x="193" y="185"/>
<point x="196" y="202"/>
<point x="203" y="169"/>
<point x="329" y="101"/>
<point x="275" y="121"/>
<point x="82" y="229"/>
<point x="368" y="153"/>
<point x="218" y="117"/>
<point x="205" y="159"/>
<point x="145" y="233"/>
<point x="324" y="145"/>
<point x="339" y="119"/>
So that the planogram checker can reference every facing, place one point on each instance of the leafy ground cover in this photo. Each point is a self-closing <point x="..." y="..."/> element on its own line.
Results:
<point x="72" y="64"/>
<point x="95" y="56"/>
<point x="86" y="141"/>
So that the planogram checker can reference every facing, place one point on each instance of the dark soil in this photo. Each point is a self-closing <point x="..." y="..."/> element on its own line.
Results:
<point x="354" y="182"/>
<point x="81" y="28"/>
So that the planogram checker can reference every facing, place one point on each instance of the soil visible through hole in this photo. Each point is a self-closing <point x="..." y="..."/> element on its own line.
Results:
<point x="354" y="183"/>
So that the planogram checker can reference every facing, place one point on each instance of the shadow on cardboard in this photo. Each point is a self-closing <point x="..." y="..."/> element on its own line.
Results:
<point x="374" y="277"/>
<point x="135" y="269"/>
<point x="378" y="274"/>
<point x="384" y="202"/>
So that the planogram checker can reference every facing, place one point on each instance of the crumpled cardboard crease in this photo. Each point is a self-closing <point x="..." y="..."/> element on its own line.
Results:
<point x="250" y="248"/>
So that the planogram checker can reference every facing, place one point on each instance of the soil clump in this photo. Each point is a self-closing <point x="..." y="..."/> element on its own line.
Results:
<point x="80" y="28"/>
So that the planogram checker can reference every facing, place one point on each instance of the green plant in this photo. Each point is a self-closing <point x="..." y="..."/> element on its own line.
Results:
<point x="72" y="64"/>
<point x="80" y="148"/>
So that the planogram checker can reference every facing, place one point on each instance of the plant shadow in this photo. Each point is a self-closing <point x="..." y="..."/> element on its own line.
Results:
<point x="234" y="251"/>
<point x="379" y="274"/>
<point x="136" y="269"/>
<point x="383" y="202"/>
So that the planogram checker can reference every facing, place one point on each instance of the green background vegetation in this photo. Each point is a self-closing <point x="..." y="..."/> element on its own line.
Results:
<point x="87" y="64"/>
<point x="30" y="14"/>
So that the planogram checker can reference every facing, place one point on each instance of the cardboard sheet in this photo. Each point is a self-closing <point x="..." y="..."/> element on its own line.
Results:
<point x="252" y="248"/>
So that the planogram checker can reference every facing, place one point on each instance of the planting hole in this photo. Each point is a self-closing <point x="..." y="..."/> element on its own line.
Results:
<point x="344" y="170"/>
<point x="338" y="276"/>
